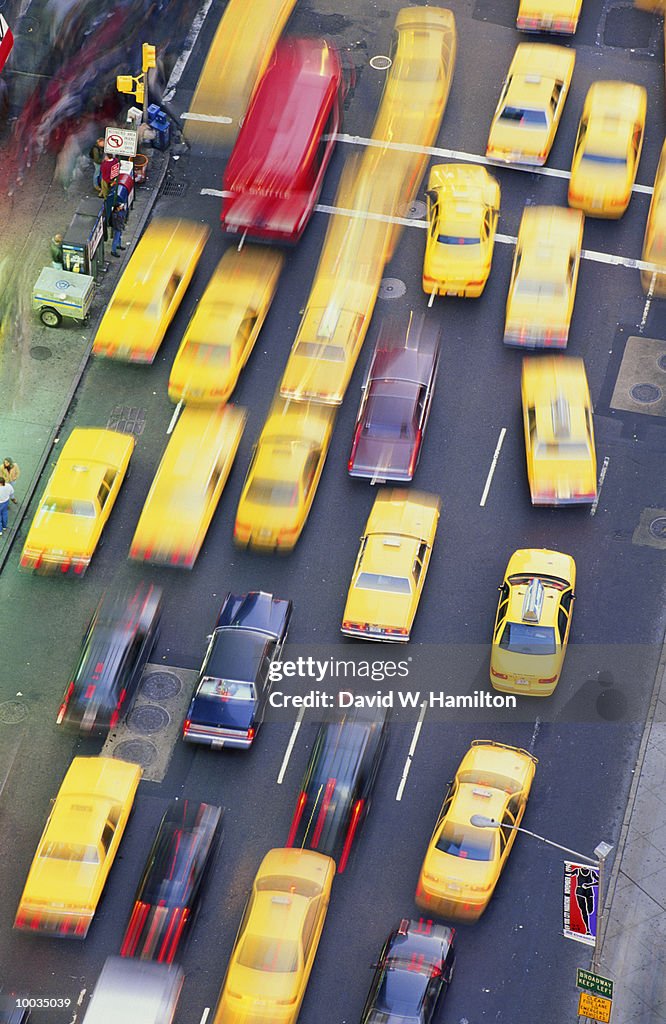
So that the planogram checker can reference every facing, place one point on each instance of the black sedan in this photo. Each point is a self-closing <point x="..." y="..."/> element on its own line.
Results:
<point x="414" y="970"/>
<point x="230" y="699"/>
<point x="114" y="652"/>
<point x="167" y="895"/>
<point x="395" y="402"/>
<point x="337" y="786"/>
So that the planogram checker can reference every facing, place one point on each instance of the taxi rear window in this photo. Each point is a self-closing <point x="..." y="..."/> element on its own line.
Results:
<point x="70" y="508"/>
<point x="460" y="842"/>
<point x="526" y="117"/>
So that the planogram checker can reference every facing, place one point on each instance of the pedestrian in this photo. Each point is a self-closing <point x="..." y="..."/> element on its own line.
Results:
<point x="96" y="154"/>
<point x="118" y="221"/>
<point x="6" y="495"/>
<point x="56" y="252"/>
<point x="10" y="470"/>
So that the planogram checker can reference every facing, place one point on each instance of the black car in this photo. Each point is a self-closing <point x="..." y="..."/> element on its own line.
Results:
<point x="167" y="895"/>
<point x="414" y="970"/>
<point x="337" y="785"/>
<point x="114" y="652"/>
<point x="234" y="683"/>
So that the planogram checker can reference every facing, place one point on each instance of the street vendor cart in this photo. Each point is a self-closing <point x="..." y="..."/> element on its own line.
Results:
<point x="60" y="293"/>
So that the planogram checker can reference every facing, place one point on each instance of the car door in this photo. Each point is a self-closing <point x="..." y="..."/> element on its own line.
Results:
<point x="564" y="612"/>
<point x="507" y="835"/>
<point x="502" y="608"/>
<point x="264" y="683"/>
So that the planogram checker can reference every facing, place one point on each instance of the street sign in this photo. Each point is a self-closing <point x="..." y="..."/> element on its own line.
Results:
<point x="594" y="1007"/>
<point x="581" y="902"/>
<point x="120" y="141"/>
<point x="594" y="983"/>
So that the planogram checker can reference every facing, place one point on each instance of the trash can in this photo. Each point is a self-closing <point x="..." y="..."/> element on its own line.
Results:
<point x="125" y="186"/>
<point x="59" y="293"/>
<point x="159" y="122"/>
<point x="82" y="249"/>
<point x="140" y="162"/>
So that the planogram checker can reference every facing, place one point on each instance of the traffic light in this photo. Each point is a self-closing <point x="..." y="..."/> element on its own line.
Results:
<point x="124" y="83"/>
<point x="147" y="57"/>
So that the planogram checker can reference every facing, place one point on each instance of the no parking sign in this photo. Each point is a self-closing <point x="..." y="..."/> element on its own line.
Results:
<point x="120" y="142"/>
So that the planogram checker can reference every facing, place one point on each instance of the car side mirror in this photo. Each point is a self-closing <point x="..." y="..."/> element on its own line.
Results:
<point x="431" y="195"/>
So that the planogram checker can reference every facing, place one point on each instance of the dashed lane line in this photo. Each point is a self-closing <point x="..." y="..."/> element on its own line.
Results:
<point x="290" y="746"/>
<point x="602" y="477"/>
<point x="412" y="748"/>
<point x="493" y="466"/>
<point x="192" y="36"/>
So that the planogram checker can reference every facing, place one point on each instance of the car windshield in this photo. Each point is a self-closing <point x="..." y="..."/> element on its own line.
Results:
<point x="213" y="355"/>
<point x="469" y="844"/>
<point x="458" y="240"/>
<point x="288" y="883"/>
<point x="69" y="507"/>
<point x="282" y="494"/>
<point x="401" y="993"/>
<point x="80" y="852"/>
<point x="386" y="584"/>
<point x="525" y="117"/>
<point x="329" y="353"/>
<point x="390" y="418"/>
<point x="265" y="953"/>
<point x="561" y="450"/>
<point x="521" y="638"/>
<point x="488" y="779"/>
<point x="604" y="158"/>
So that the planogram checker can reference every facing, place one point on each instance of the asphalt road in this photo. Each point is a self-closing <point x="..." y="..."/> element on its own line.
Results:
<point x="513" y="965"/>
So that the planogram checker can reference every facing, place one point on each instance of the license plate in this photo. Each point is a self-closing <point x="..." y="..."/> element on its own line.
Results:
<point x="453" y="887"/>
<point x="217" y="744"/>
<point x="596" y="204"/>
<point x="265" y="533"/>
<point x="522" y="682"/>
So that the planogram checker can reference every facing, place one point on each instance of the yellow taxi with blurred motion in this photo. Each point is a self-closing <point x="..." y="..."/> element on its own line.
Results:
<point x="78" y="846"/>
<point x="544" y="277"/>
<point x="391" y="566"/>
<point x="532" y="622"/>
<point x="463" y="862"/>
<point x="226" y="323"/>
<point x="283" y="476"/>
<point x="150" y="291"/>
<point x="187" y="486"/>
<point x="559" y="16"/>
<point x="77" y="501"/>
<point x="608" y="148"/>
<point x="531" y="104"/>
<point x="559" y="433"/>
<point x="463" y="210"/>
<point x="277" y="940"/>
<point x="654" y="243"/>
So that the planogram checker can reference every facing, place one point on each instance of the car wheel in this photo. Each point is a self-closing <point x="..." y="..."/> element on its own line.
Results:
<point x="50" y="317"/>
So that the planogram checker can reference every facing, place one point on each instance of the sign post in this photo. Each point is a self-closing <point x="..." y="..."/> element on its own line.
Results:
<point x="596" y="1002"/>
<point x="120" y="142"/>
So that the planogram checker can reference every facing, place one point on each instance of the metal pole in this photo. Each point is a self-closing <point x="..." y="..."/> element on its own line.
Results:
<point x="145" y="97"/>
<point x="596" y="956"/>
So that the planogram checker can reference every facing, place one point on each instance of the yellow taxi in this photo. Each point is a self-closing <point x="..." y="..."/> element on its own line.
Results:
<point x="283" y="476"/>
<point x="78" y="846"/>
<point x="226" y="323"/>
<point x="187" y="486"/>
<point x="150" y="291"/>
<point x="559" y="433"/>
<point x="463" y="862"/>
<point x="608" y="148"/>
<point x="463" y="210"/>
<point x="531" y="104"/>
<point x="544" y="277"/>
<point x="654" y="243"/>
<point x="277" y="940"/>
<point x="391" y="566"/>
<point x="532" y="622"/>
<point x="77" y="501"/>
<point x="560" y="16"/>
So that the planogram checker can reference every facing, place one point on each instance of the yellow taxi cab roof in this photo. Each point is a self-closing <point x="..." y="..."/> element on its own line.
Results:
<point x="403" y="514"/>
<point x="300" y="422"/>
<point x="79" y="819"/>
<point x="512" y="762"/>
<point x="240" y="276"/>
<point x="550" y="226"/>
<point x="300" y="864"/>
<point x="542" y="61"/>
<point x="623" y="100"/>
<point x="100" y="776"/>
<point x="390" y="554"/>
<point x="195" y="445"/>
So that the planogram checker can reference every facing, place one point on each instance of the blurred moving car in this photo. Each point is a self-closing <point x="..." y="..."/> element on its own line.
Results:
<point x="150" y="290"/>
<point x="135" y="992"/>
<point x="559" y="432"/>
<point x="114" y="652"/>
<point x="395" y="403"/>
<point x="391" y="566"/>
<point x="234" y="683"/>
<point x="531" y="104"/>
<point x="277" y="940"/>
<point x="654" y="243"/>
<point x="559" y="16"/>
<point x="336" y="790"/>
<point x="276" y="170"/>
<point x="167" y="895"/>
<point x="77" y="501"/>
<point x="187" y="486"/>
<point x="412" y="973"/>
<point x="283" y="476"/>
<point x="463" y="210"/>
<point x="544" y="277"/>
<point x="224" y="328"/>
<point x="608" y="148"/>
<point x="463" y="862"/>
<point x="532" y="622"/>
<point x="78" y="846"/>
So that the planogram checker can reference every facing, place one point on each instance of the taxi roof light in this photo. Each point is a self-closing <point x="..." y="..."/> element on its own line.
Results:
<point x="533" y="601"/>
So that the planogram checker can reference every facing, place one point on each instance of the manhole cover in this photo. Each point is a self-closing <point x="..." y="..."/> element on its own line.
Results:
<point x="141" y="752"/>
<point x="628" y="27"/>
<point x="380" y="63"/>
<point x="392" y="288"/>
<point x="657" y="528"/>
<point x="161" y="686"/>
<point x="415" y="211"/>
<point x="148" y="718"/>
<point x="645" y="393"/>
<point x="127" y="418"/>
<point x="12" y="712"/>
<point x="175" y="188"/>
<point x="661" y="362"/>
<point x="40" y="352"/>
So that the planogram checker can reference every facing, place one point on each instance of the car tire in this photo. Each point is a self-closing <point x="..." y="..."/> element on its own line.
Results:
<point x="50" y="317"/>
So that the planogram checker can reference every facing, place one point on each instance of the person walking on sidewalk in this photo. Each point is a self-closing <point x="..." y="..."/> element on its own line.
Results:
<point x="118" y="221"/>
<point x="6" y="495"/>
<point x="56" y="252"/>
<point x="10" y="470"/>
<point x="96" y="154"/>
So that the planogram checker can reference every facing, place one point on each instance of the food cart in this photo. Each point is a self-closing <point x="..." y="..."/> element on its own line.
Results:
<point x="59" y="293"/>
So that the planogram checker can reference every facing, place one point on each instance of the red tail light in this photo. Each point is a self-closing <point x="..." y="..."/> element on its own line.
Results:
<point x="549" y="680"/>
<point x="136" y="923"/>
<point x="321" y="818"/>
<point x="64" y="565"/>
<point x="79" y="568"/>
<point x="186" y="726"/>
<point x="65" y="702"/>
<point x="349" y="838"/>
<point x="298" y="814"/>
<point x="498" y="675"/>
<point x="251" y="734"/>
<point x="357" y="437"/>
<point x="415" y="452"/>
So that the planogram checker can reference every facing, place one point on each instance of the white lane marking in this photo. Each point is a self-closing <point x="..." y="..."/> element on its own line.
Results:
<point x="290" y="746"/>
<point x="216" y="192"/>
<point x="242" y="240"/>
<point x="192" y="35"/>
<point x="506" y="239"/>
<point x="493" y="464"/>
<point x="412" y="748"/>
<point x="386" y="218"/>
<point x="81" y="995"/>
<point x="432" y="298"/>
<point x="189" y="115"/>
<point x="535" y="733"/>
<point x="204" y="1015"/>
<point x="174" y="418"/>
<point x="602" y="477"/>
<point x="648" y="303"/>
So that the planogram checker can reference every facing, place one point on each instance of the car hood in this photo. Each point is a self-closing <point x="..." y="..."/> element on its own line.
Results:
<point x="58" y="531"/>
<point x="384" y="459"/>
<point x="266" y="214"/>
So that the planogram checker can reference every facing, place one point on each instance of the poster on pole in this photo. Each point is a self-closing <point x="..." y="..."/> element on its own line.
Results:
<point x="581" y="900"/>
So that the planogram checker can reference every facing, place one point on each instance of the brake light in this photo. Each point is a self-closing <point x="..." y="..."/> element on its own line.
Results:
<point x="349" y="838"/>
<point x="136" y="923"/>
<point x="498" y="675"/>
<point x="348" y="624"/>
<point x="64" y="565"/>
<point x="90" y="690"/>
<point x="321" y="819"/>
<point x="415" y="452"/>
<point x="551" y="679"/>
<point x="170" y="944"/>
<point x="394" y="629"/>
<point x="186" y="726"/>
<point x="298" y="814"/>
<point x="357" y="435"/>
<point x="65" y="702"/>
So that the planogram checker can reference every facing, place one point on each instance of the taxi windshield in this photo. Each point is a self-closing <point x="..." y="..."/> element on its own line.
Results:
<point x="470" y="844"/>
<point x="329" y="353"/>
<point x="70" y="507"/>
<point x="603" y="158"/>
<point x="265" y="953"/>
<point x="458" y="240"/>
<point x="525" y="117"/>
<point x="561" y="450"/>
<point x="70" y="851"/>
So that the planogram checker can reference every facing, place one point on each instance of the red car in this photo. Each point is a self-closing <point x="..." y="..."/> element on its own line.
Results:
<point x="276" y="169"/>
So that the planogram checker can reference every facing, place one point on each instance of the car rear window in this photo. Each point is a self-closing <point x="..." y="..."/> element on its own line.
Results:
<point x="69" y="508"/>
<point x="329" y="353"/>
<point x="489" y="780"/>
<point x="521" y="638"/>
<point x="385" y="584"/>
<point x="469" y="845"/>
<point x="273" y="492"/>
<point x="264" y="953"/>
<point x="204" y="352"/>
<point x="458" y="240"/>
<point x="603" y="158"/>
<point x="525" y="117"/>
<point x="561" y="450"/>
<point x="80" y="852"/>
<point x="289" y="883"/>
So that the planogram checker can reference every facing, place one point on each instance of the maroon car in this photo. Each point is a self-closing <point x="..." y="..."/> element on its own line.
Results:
<point x="395" y="402"/>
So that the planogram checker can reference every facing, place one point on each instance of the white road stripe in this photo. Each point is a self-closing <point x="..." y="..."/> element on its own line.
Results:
<point x="174" y="418"/>
<point x="493" y="464"/>
<point x="290" y="746"/>
<point x="410" y="755"/>
<point x="602" y="477"/>
<point x="204" y="1015"/>
<point x="189" y="115"/>
<point x="648" y="303"/>
<point x="179" y="66"/>
<point x="81" y="995"/>
<point x="535" y="733"/>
